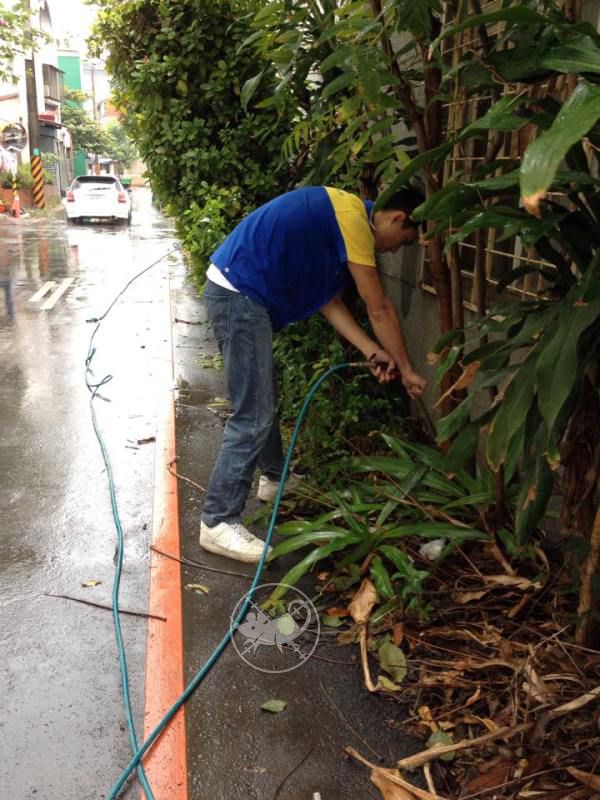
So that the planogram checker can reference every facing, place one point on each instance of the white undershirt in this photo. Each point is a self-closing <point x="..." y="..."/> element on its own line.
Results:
<point x="216" y="276"/>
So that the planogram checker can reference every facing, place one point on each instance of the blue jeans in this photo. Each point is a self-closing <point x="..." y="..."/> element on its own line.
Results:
<point x="251" y="437"/>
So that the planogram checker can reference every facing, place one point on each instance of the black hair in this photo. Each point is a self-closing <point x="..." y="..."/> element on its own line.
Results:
<point x="406" y="200"/>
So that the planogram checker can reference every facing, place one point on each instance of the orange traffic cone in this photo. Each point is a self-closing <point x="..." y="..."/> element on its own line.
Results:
<point x="16" y="206"/>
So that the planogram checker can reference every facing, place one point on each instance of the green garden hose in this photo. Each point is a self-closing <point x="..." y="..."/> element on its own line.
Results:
<point x="137" y="750"/>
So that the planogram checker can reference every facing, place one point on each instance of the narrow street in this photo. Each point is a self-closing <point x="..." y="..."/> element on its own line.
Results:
<point x="62" y="733"/>
<point x="62" y="729"/>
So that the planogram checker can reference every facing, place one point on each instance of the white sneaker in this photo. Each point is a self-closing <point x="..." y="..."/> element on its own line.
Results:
<point x="233" y="540"/>
<point x="267" y="488"/>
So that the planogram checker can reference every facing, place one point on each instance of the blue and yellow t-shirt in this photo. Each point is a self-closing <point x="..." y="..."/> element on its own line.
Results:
<point x="291" y="254"/>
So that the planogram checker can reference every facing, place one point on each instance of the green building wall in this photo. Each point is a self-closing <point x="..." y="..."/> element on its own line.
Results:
<point x="71" y="66"/>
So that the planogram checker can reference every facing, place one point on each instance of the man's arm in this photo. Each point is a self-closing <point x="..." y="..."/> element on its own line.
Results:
<point x="337" y="314"/>
<point x="386" y="324"/>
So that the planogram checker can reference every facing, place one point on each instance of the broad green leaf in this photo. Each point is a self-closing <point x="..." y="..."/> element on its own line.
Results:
<point x="393" y="661"/>
<point x="407" y="173"/>
<point x="462" y="450"/>
<point x="558" y="371"/>
<point x="551" y="274"/>
<point x="514" y="407"/>
<point x="337" y="84"/>
<point x="385" y="683"/>
<point x="314" y="537"/>
<point x="438" y="738"/>
<point x="449" y="425"/>
<point x="339" y="56"/>
<point x="182" y="87"/>
<point x="452" y="198"/>
<point x="366" y="60"/>
<point x="483" y="498"/>
<point x="302" y="567"/>
<point x="250" y="40"/>
<point x="436" y="530"/>
<point x="516" y="14"/>
<point x="447" y="339"/>
<point x="249" y="88"/>
<point x="542" y="158"/>
<point x="533" y="498"/>
<point x="578" y="53"/>
<point x="415" y="15"/>
<point x="499" y="117"/>
<point x="381" y="579"/>
<point x="509" y="222"/>
<point x="274" y="706"/>
<point x="449" y="360"/>
<point x="332" y="622"/>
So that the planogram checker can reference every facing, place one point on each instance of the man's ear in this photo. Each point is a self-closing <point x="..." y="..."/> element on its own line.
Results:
<point x="400" y="216"/>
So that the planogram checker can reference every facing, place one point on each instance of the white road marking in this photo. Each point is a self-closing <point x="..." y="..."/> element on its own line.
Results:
<point x="42" y="291"/>
<point x="56" y="294"/>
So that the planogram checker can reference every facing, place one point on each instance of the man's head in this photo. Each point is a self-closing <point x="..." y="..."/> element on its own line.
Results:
<point x="392" y="225"/>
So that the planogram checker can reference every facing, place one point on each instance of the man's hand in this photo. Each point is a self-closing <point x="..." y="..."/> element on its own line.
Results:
<point x="413" y="383"/>
<point x="386" y="370"/>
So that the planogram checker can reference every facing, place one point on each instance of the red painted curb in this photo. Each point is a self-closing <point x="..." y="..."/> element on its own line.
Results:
<point x="166" y="762"/>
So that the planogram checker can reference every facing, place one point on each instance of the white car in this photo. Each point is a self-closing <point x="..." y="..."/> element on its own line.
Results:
<point x="98" y="197"/>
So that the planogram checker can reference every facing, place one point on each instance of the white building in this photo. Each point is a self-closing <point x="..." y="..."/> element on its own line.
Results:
<point x="54" y="139"/>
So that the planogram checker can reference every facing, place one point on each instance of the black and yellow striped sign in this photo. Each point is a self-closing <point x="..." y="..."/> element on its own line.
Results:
<point x="37" y="172"/>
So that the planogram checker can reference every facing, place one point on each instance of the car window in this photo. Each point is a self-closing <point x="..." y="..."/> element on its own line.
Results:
<point x="95" y="183"/>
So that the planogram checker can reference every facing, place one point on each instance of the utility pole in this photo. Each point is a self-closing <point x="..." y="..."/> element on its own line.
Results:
<point x="94" y="113"/>
<point x="37" y="170"/>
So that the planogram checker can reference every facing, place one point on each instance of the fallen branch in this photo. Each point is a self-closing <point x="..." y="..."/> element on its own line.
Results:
<point x="352" y="730"/>
<point x="508" y="732"/>
<point x="182" y="477"/>
<point x="291" y="772"/>
<point x="189" y="563"/>
<point x="107" y="607"/>
<point x="392" y="776"/>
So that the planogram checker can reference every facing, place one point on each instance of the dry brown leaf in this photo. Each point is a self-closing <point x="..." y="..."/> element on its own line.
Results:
<point x="389" y="790"/>
<point x="531" y="202"/>
<point x="587" y="778"/>
<point x="335" y="611"/>
<point x="398" y="633"/>
<point x="349" y="636"/>
<point x="362" y="604"/>
<point x="465" y="380"/>
<point x="512" y="580"/>
<point x="491" y="774"/>
<point x="467" y="597"/>
<point x="536" y="687"/>
<point x="395" y="777"/>
<point x="473" y="719"/>
<point x="426" y="716"/>
<point x="474" y="697"/>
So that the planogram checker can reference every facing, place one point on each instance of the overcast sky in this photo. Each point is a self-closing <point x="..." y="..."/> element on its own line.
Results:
<point x="73" y="19"/>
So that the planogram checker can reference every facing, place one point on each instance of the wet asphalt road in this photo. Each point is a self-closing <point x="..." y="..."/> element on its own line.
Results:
<point x="62" y="734"/>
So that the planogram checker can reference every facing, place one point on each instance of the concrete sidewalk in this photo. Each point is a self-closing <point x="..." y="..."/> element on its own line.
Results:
<point x="236" y="750"/>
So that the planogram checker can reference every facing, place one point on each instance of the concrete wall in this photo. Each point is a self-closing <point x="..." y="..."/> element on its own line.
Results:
<point x="417" y="309"/>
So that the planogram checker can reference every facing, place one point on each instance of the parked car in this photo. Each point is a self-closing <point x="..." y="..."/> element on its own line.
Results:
<point x="98" y="197"/>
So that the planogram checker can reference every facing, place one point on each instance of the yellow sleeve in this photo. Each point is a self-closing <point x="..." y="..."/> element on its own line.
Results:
<point x="351" y="216"/>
